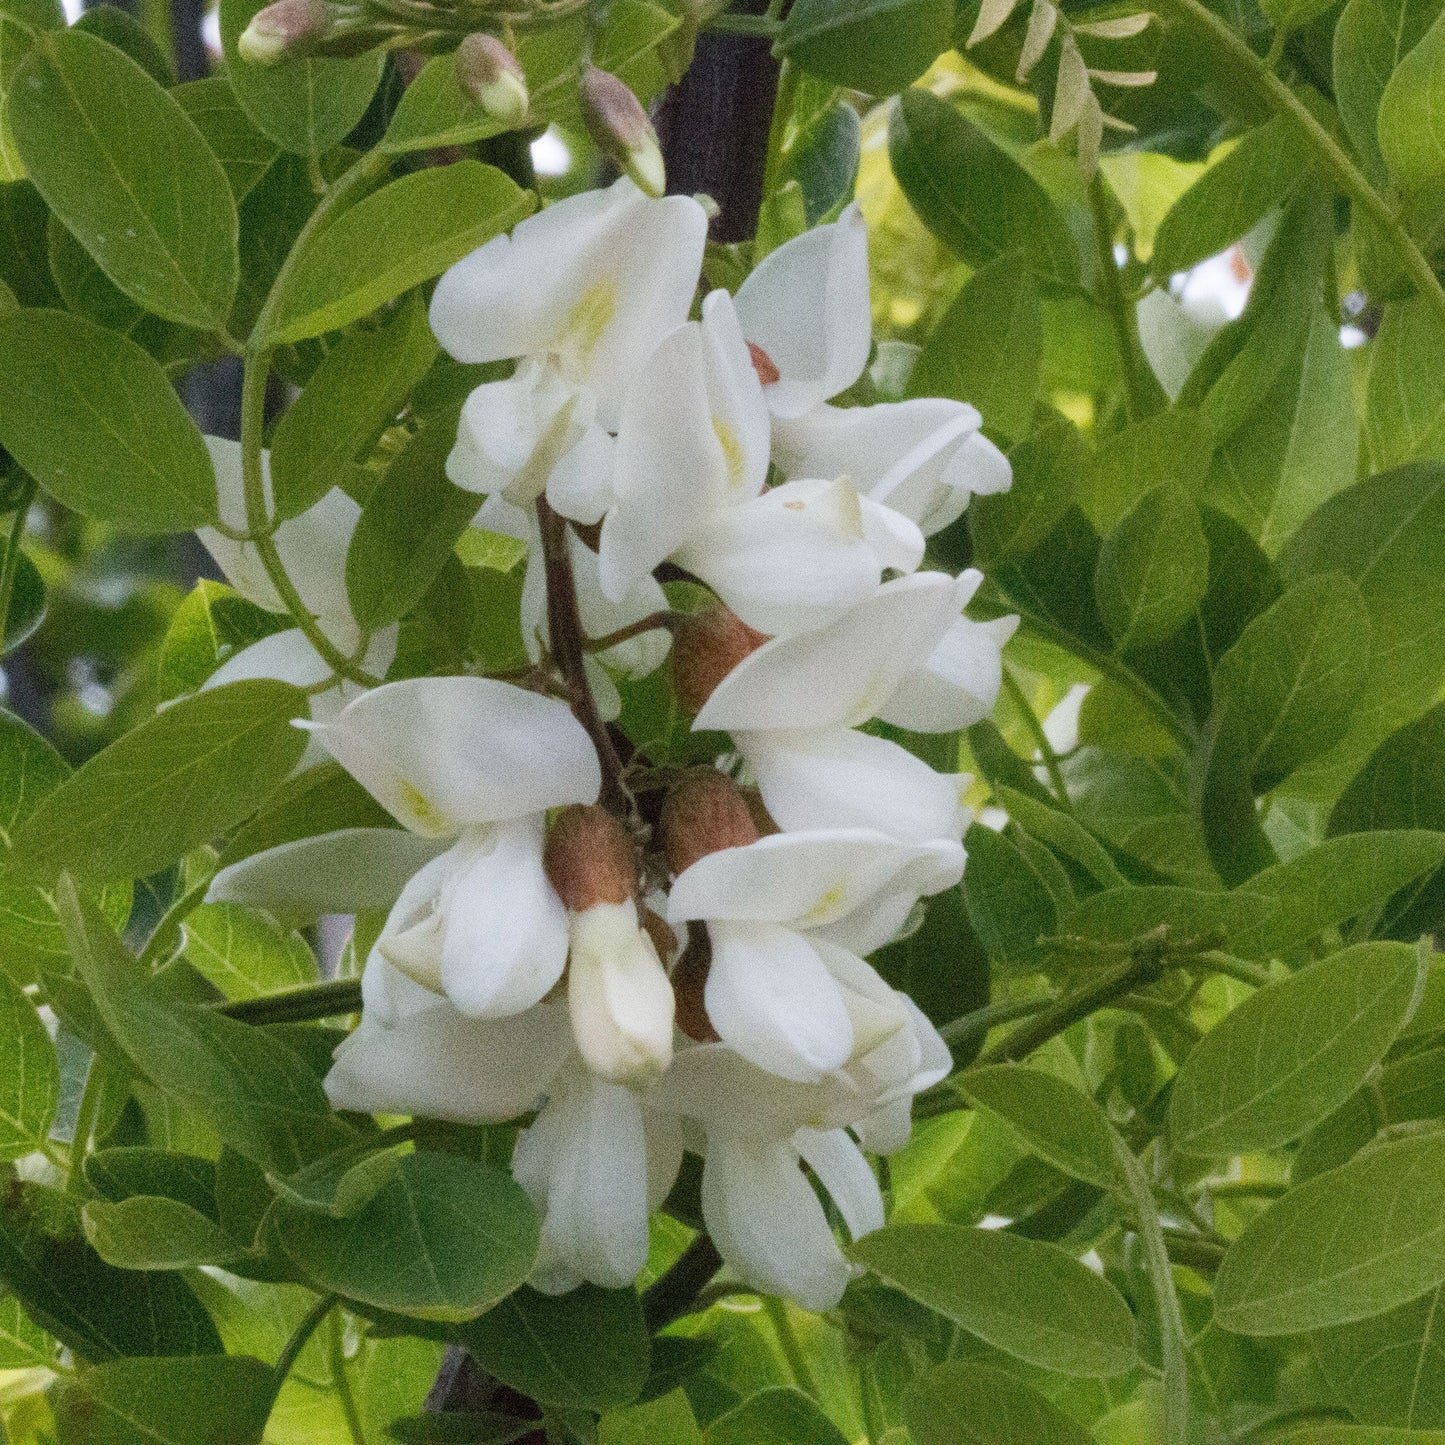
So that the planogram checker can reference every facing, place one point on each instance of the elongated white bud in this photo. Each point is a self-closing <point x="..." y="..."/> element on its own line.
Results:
<point x="490" y="75"/>
<point x="618" y="124"/>
<point x="619" y="996"/>
<point x="289" y="27"/>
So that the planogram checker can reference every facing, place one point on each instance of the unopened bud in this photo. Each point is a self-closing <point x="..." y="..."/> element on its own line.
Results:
<point x="490" y="75"/>
<point x="705" y="813"/>
<point x="706" y="646"/>
<point x="618" y="124"/>
<point x="619" y="996"/>
<point x="588" y="858"/>
<point x="289" y="27"/>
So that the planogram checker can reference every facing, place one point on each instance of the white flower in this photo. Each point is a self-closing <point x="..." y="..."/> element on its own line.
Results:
<point x="690" y="463"/>
<point x="806" y="309"/>
<point x="312" y="548"/>
<point x="786" y="917"/>
<point x="590" y="285"/>
<point x="477" y="761"/>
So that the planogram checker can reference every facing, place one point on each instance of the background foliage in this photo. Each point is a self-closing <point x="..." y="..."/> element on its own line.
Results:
<point x="1189" y="979"/>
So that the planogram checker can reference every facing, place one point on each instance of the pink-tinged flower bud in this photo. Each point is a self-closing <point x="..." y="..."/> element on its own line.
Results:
<point x="706" y="647"/>
<point x="287" y="28"/>
<point x="618" y="124"/>
<point x="704" y="813"/>
<point x="490" y="75"/>
<point x="588" y="858"/>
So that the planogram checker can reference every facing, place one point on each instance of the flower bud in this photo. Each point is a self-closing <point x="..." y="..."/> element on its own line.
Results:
<point x="619" y="996"/>
<point x="706" y="646"/>
<point x="289" y="27"/>
<point x="705" y="813"/>
<point x="490" y="75"/>
<point x="588" y="858"/>
<point x="618" y="124"/>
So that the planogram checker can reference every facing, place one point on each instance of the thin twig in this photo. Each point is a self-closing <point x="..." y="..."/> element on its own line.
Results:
<point x="298" y="1005"/>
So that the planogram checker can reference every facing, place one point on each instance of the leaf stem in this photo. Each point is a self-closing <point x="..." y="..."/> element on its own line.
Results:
<point x="168" y="928"/>
<point x="342" y="1380"/>
<point x="969" y="1026"/>
<point x="12" y="553"/>
<point x="298" y="1005"/>
<point x="1217" y="961"/>
<point x="777" y="1313"/>
<point x="651" y="623"/>
<point x="675" y="1293"/>
<point x="292" y="1349"/>
<point x="1330" y="154"/>
<point x="1141" y="399"/>
<point x="564" y="623"/>
<point x="90" y="1100"/>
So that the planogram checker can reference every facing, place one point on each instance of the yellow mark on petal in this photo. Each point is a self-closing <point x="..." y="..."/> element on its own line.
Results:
<point x="589" y="319"/>
<point x="827" y="905"/>
<point x="732" y="450"/>
<point x="426" y="817"/>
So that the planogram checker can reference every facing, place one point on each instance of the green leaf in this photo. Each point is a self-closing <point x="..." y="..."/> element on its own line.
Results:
<point x="1371" y="39"/>
<point x="221" y="1400"/>
<point x="1345" y="1245"/>
<point x="305" y="106"/>
<point x="244" y="153"/>
<point x="585" y="1350"/>
<point x="1051" y="1118"/>
<point x="120" y="1173"/>
<point x="1388" y="1369"/>
<point x="972" y="194"/>
<point x="95" y="1309"/>
<point x="1230" y="198"/>
<point x="350" y="398"/>
<point x="775" y="1417"/>
<point x="668" y="1418"/>
<point x="29" y="1075"/>
<point x="20" y="25"/>
<point x="1153" y="569"/>
<point x="178" y="780"/>
<point x="1405" y="387"/>
<point x="988" y="347"/>
<point x="155" y="1233"/>
<point x="1172" y="449"/>
<point x="27" y="605"/>
<point x="1388" y="536"/>
<point x="1045" y="473"/>
<point x="395" y="239"/>
<point x="94" y="419"/>
<point x="212" y="623"/>
<point x="255" y="1091"/>
<point x="963" y="1403"/>
<point x="877" y="46"/>
<point x="1294" y="1052"/>
<point x="1335" y="1434"/>
<point x="1023" y="1296"/>
<point x="1062" y="833"/>
<point x="445" y="1238"/>
<point x="124" y="167"/>
<point x="1288" y="686"/>
<point x="245" y="952"/>
<point x="1008" y="897"/>
<point x="1411" y="130"/>
<point x="122" y="30"/>
<point x="408" y="527"/>
<point x="23" y="1344"/>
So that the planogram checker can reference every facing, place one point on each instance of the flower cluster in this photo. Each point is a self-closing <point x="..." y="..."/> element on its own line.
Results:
<point x="680" y="965"/>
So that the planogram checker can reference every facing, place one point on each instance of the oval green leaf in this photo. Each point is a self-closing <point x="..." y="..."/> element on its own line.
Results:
<point x="1294" y="1052"/>
<point x="123" y="165"/>
<point x="1153" y="568"/>
<point x="877" y="46"/>
<point x="1022" y="1296"/>
<point x="29" y="1075"/>
<point x="962" y="1403"/>
<point x="94" y="419"/>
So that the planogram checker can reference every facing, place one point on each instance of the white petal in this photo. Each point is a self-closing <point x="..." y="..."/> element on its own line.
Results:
<point x="735" y="399"/>
<point x="444" y="753"/>
<point x="349" y="871"/>
<point x="888" y="1128"/>
<point x="958" y="684"/>
<point x="619" y="996"/>
<point x="770" y="997"/>
<point x="670" y="466"/>
<point x="585" y="1163"/>
<point x="596" y="281"/>
<point x="717" y="1087"/>
<point x="844" y="1173"/>
<point x="441" y="1065"/>
<point x="790" y="560"/>
<point x="237" y="560"/>
<point x="896" y="540"/>
<point x="806" y="879"/>
<point x="639" y="655"/>
<point x="768" y="1224"/>
<point x="806" y="305"/>
<point x="580" y="486"/>
<point x="845" y="779"/>
<point x="841" y="674"/>
<point x="312" y="549"/>
<point x="504" y="928"/>
<point x="411" y="938"/>
<point x="286" y="656"/>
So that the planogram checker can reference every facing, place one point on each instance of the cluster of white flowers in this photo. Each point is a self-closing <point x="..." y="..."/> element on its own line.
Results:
<point x="697" y="984"/>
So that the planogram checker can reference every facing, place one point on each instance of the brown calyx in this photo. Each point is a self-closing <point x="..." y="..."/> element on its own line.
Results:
<point x="588" y="858"/>
<point x="704" y="813"/>
<point x="763" y="364"/>
<point x="706" y="646"/>
<point x="689" y="986"/>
